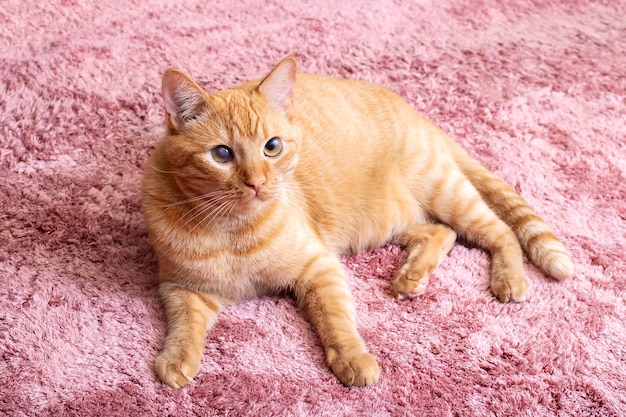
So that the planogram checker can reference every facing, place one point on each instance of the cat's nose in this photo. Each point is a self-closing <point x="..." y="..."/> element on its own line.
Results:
<point x="256" y="183"/>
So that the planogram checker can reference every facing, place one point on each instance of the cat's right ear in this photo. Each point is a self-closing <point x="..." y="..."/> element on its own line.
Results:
<point x="183" y="99"/>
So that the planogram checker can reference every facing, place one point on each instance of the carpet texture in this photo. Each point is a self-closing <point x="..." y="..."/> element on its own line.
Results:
<point x="536" y="90"/>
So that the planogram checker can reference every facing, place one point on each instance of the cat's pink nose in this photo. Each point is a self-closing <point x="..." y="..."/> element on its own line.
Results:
<point x="256" y="183"/>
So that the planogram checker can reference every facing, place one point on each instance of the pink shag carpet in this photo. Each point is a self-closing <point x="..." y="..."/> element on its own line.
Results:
<point x="536" y="90"/>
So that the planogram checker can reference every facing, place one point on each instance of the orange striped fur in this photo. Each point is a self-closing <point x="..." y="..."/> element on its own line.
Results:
<point x="259" y="189"/>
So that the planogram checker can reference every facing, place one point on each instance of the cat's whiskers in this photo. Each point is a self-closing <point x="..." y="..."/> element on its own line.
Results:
<point x="302" y="191"/>
<point x="162" y="171"/>
<point x="218" y="214"/>
<point x="307" y="181"/>
<point x="194" y="199"/>
<point x="288" y="201"/>
<point x="206" y="206"/>
<point x="217" y="209"/>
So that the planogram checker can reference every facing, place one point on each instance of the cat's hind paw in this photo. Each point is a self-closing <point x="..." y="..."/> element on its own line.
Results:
<point x="360" y="369"/>
<point x="409" y="285"/>
<point x="513" y="288"/>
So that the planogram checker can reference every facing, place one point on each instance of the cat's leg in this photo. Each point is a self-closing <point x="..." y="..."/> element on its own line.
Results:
<point x="457" y="203"/>
<point x="427" y="244"/>
<point x="189" y="315"/>
<point x="323" y="293"/>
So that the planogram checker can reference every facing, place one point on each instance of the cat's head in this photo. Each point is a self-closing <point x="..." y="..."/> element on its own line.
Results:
<point x="232" y="150"/>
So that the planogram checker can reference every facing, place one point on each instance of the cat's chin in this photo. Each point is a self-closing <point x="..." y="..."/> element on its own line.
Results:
<point x="251" y="204"/>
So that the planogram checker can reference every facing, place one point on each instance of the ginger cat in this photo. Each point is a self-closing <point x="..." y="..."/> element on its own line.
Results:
<point x="258" y="190"/>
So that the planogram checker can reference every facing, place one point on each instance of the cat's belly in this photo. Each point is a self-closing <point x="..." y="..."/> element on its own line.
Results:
<point x="377" y="225"/>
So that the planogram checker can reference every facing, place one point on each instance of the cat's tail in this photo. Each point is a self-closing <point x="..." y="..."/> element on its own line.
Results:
<point x="540" y="243"/>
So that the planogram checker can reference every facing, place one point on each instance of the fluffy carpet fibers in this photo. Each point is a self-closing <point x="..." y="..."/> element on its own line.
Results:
<point x="534" y="89"/>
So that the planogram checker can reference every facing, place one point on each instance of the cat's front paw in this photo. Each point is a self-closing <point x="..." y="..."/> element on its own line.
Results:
<point x="355" y="369"/>
<point x="409" y="284"/>
<point x="176" y="369"/>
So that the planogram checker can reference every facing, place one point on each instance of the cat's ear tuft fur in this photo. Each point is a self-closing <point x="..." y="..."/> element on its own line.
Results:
<point x="277" y="86"/>
<point x="183" y="99"/>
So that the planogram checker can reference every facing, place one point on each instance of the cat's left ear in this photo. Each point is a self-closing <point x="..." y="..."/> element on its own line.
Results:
<point x="277" y="86"/>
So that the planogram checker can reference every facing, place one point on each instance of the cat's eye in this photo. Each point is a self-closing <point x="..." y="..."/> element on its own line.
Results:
<point x="273" y="147"/>
<point x="222" y="154"/>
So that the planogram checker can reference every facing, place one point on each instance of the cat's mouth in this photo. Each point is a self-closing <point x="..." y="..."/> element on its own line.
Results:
<point x="253" y="200"/>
